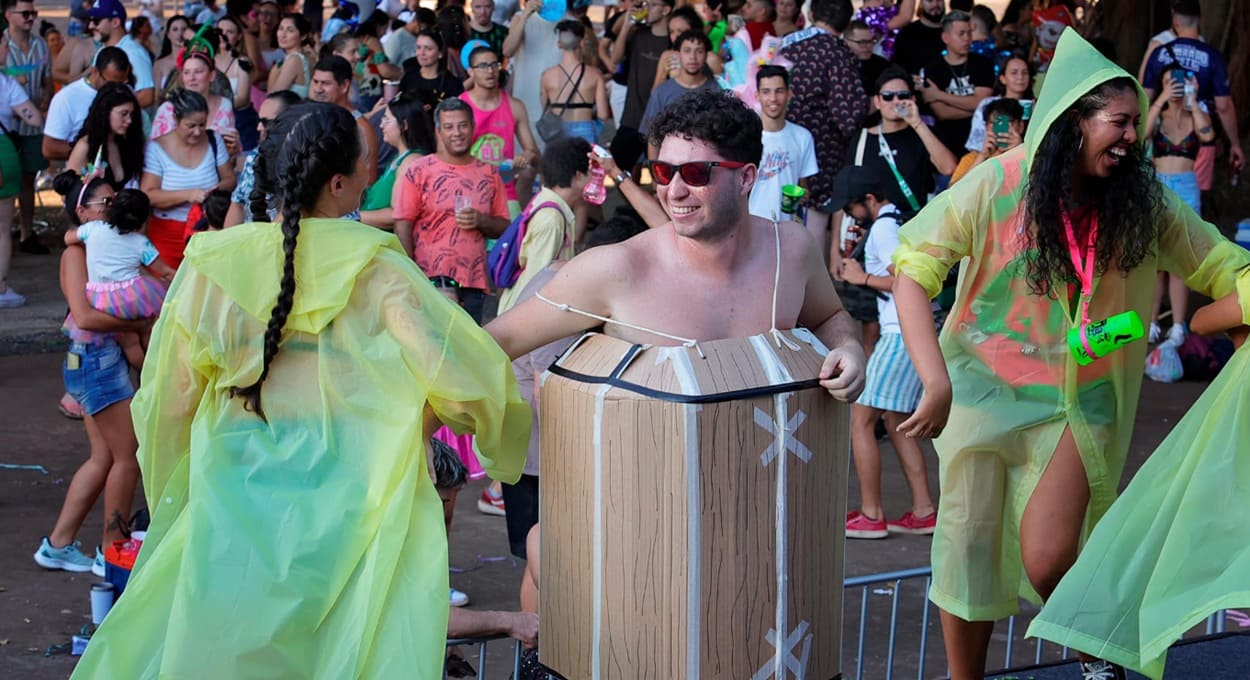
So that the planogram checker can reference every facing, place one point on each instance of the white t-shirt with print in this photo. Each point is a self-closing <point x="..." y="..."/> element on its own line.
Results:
<point x="789" y="155"/>
<point x="113" y="257"/>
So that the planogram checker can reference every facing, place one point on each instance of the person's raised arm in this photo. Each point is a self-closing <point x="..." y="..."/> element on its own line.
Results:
<point x="286" y="76"/>
<point x="516" y="28"/>
<point x="641" y="200"/>
<point x="939" y="155"/>
<point x="906" y="12"/>
<point x="622" y="39"/>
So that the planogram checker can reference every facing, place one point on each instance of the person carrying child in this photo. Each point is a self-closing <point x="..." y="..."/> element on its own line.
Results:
<point x="117" y="251"/>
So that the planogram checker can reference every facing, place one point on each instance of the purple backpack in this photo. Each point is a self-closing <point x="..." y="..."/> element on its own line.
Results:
<point x="504" y="260"/>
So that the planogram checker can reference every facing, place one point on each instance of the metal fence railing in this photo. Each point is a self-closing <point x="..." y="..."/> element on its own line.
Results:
<point x="875" y="658"/>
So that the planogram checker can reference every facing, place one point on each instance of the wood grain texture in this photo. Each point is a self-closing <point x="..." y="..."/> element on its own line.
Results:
<point x="646" y="540"/>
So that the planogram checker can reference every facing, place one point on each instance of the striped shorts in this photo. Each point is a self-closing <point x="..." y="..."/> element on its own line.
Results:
<point x="892" y="383"/>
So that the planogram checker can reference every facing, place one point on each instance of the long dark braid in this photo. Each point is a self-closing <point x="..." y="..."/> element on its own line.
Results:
<point x="323" y="142"/>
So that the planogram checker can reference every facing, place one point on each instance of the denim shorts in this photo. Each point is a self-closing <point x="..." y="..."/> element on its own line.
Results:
<point x="96" y="375"/>
<point x="1185" y="185"/>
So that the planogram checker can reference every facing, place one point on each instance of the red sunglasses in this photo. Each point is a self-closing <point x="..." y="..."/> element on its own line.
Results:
<point x="694" y="173"/>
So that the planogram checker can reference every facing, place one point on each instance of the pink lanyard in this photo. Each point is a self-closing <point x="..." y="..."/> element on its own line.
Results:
<point x="1084" y="266"/>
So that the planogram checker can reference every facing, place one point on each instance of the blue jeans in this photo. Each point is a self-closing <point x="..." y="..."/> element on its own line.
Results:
<point x="96" y="375"/>
<point x="1184" y="185"/>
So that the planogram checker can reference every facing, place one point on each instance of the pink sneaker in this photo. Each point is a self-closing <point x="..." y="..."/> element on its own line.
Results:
<point x="911" y="524"/>
<point x="859" y="525"/>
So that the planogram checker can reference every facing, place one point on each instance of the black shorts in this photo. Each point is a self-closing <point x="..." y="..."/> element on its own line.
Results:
<point x="520" y="502"/>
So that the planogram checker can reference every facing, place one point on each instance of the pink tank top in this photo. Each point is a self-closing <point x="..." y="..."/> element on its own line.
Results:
<point x="494" y="136"/>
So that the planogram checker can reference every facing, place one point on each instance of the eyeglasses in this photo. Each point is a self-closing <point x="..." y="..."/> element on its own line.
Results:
<point x="106" y="201"/>
<point x="265" y="122"/>
<point x="487" y="66"/>
<point x="694" y="173"/>
<point x="891" y="95"/>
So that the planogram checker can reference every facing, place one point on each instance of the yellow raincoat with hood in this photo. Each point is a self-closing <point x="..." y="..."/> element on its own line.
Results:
<point x="1015" y="385"/>
<point x="311" y="545"/>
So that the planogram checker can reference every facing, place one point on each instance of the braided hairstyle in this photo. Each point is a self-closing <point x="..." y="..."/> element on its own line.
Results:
<point x="324" y="142"/>
<point x="265" y="185"/>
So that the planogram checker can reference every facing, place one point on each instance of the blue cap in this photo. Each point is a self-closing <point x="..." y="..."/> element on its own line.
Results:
<point x="107" y="9"/>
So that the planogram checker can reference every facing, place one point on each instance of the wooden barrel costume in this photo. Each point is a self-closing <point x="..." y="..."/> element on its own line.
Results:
<point x="693" y="511"/>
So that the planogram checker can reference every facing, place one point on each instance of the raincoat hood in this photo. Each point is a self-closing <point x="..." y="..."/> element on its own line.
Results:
<point x="1077" y="68"/>
<point x="251" y="276"/>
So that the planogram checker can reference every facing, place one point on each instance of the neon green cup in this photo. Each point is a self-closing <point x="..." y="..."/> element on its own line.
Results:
<point x="791" y="194"/>
<point x="1104" y="337"/>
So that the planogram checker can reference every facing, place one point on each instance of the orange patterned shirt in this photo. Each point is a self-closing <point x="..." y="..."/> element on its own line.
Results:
<point x="427" y="198"/>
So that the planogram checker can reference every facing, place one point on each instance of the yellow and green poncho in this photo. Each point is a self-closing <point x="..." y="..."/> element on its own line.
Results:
<point x="1015" y="385"/>
<point x="1175" y="547"/>
<point x="311" y="545"/>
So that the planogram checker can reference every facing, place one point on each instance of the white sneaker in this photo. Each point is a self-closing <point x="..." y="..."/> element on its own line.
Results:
<point x="97" y="565"/>
<point x="1155" y="332"/>
<point x="458" y="598"/>
<point x="11" y="298"/>
<point x="1177" y="333"/>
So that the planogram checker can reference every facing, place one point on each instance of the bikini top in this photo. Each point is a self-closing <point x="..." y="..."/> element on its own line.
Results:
<point x="1161" y="146"/>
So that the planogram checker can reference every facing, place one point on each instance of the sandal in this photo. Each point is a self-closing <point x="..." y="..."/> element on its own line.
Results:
<point x="70" y="408"/>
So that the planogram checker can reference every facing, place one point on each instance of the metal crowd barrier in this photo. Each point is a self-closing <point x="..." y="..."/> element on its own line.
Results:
<point x="1216" y="623"/>
<point x="481" y="653"/>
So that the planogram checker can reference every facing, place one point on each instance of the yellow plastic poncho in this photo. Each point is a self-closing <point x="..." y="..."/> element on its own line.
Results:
<point x="1175" y="547"/>
<point x="1015" y="385"/>
<point x="311" y="546"/>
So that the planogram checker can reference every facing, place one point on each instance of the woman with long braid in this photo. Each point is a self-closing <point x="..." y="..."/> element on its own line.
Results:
<point x="292" y="381"/>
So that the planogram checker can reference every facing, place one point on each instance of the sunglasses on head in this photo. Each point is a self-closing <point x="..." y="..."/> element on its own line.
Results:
<point x="694" y="173"/>
<point x="890" y="95"/>
<point x="107" y="201"/>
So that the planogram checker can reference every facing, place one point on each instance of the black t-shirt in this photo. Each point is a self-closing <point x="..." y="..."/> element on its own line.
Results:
<point x="961" y="80"/>
<point x="493" y="37"/>
<point x="642" y="56"/>
<point x="910" y="156"/>
<point x="445" y="85"/>
<point x="870" y="69"/>
<point x="917" y="44"/>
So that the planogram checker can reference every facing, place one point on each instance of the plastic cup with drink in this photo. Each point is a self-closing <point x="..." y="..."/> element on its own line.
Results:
<point x="791" y="196"/>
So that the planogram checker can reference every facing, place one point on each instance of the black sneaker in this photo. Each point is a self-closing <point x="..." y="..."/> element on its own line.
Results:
<point x="32" y="246"/>
<point x="1102" y="670"/>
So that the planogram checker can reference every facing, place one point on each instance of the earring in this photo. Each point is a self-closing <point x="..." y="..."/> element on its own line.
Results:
<point x="1081" y="144"/>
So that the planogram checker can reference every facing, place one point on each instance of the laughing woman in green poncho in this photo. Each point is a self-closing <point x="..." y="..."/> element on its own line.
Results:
<point x="1068" y="229"/>
<point x="1175" y="547"/>
<point x="294" y="375"/>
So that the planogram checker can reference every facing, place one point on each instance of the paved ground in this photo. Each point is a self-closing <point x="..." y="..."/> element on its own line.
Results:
<point x="40" y="609"/>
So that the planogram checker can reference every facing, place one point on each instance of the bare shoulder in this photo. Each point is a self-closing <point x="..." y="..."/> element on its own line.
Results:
<point x="796" y="242"/>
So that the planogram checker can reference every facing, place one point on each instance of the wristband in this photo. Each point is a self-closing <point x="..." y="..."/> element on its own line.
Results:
<point x="622" y="177"/>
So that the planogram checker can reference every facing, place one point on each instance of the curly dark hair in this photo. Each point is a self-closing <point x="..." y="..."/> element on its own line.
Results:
<point x="716" y="118"/>
<point x="97" y="129"/>
<point x="130" y="211"/>
<point x="1128" y="204"/>
<point x="323" y="143"/>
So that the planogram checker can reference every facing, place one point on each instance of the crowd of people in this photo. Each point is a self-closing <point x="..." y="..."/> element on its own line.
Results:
<point x="914" y="134"/>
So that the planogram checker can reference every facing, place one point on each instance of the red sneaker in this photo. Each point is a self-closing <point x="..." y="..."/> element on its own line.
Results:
<point x="911" y="524"/>
<point x="859" y="525"/>
<point x="490" y="504"/>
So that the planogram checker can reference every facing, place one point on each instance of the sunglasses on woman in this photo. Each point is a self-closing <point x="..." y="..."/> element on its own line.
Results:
<point x="694" y="173"/>
<point x="890" y="95"/>
<point x="107" y="201"/>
